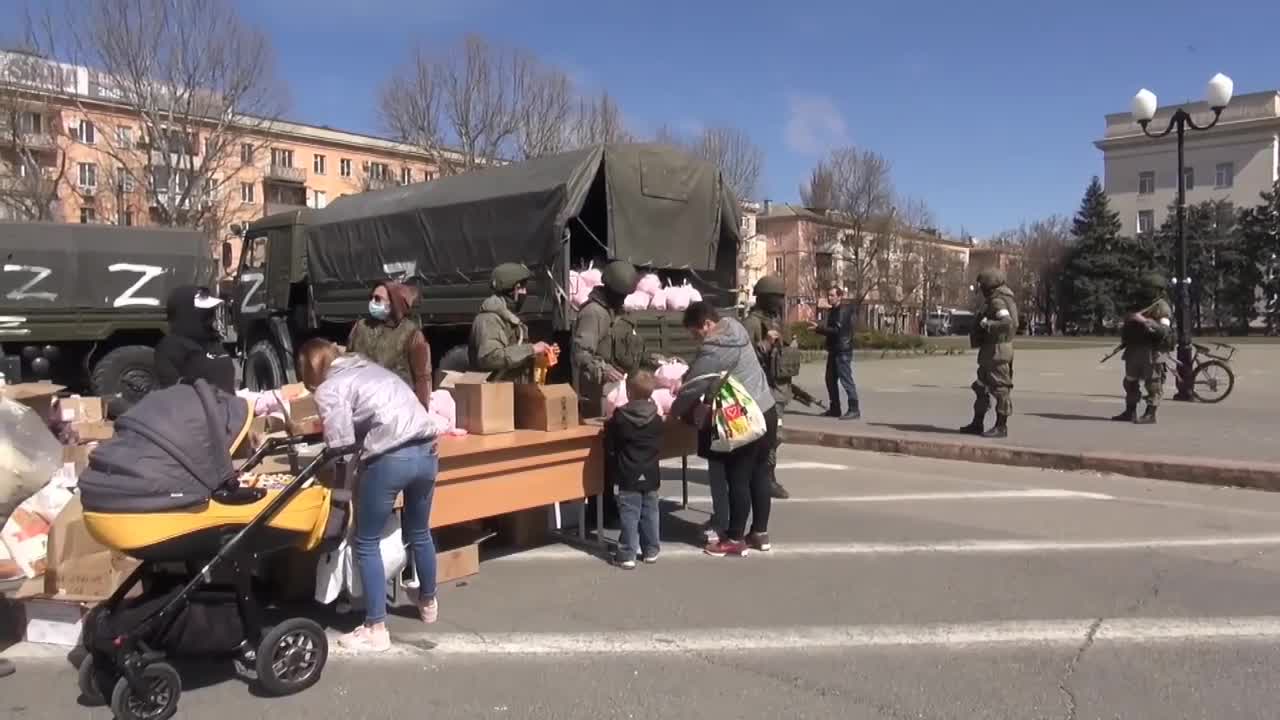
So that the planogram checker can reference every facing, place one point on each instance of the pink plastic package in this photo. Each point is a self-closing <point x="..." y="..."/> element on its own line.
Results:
<point x="664" y="399"/>
<point x="649" y="283"/>
<point x="670" y="374"/>
<point x="636" y="301"/>
<point x="677" y="297"/>
<point x="442" y="404"/>
<point x="659" y="300"/>
<point x="615" y="398"/>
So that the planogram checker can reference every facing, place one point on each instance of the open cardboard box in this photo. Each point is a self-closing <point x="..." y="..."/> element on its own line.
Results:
<point x="545" y="407"/>
<point x="483" y="408"/>
<point x="37" y="396"/>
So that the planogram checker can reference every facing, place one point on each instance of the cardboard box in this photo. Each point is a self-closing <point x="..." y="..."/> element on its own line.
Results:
<point x="54" y="622"/>
<point x="524" y="528"/>
<point x="301" y="412"/>
<point x="82" y="409"/>
<point x="37" y="396"/>
<point x="78" y="455"/>
<point x="545" y="407"/>
<point x="94" y="430"/>
<point x="485" y="408"/>
<point x="457" y="563"/>
<point x="79" y="567"/>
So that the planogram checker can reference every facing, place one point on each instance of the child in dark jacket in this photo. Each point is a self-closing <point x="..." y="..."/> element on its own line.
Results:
<point x="633" y="441"/>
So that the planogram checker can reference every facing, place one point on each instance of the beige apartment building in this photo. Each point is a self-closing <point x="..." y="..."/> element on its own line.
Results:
<point x="94" y="159"/>
<point x="1235" y="161"/>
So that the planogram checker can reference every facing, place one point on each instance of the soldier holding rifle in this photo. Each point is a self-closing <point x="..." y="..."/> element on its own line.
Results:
<point x="1144" y="338"/>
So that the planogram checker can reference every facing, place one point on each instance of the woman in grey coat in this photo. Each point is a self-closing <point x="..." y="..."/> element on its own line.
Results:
<point x="726" y="347"/>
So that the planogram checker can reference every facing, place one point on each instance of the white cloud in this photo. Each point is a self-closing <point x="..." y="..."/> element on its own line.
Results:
<point x="814" y="124"/>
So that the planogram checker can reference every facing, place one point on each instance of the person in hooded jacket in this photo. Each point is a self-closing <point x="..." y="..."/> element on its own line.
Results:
<point x="992" y="335"/>
<point x="391" y="337"/>
<point x="633" y="445"/>
<point x="193" y="349"/>
<point x="499" y="342"/>
<point x="726" y="347"/>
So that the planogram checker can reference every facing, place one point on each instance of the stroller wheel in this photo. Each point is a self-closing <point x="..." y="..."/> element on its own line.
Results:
<point x="91" y="681"/>
<point x="292" y="656"/>
<point x="159" y="699"/>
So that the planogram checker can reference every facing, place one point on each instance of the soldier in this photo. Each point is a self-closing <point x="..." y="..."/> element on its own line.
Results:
<point x="992" y="335"/>
<point x="606" y="345"/>
<point x="1146" y="335"/>
<point x="499" y="339"/>
<point x="779" y="361"/>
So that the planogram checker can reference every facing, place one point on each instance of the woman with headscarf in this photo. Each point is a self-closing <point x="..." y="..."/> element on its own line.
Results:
<point x="392" y="338"/>
<point x="194" y="348"/>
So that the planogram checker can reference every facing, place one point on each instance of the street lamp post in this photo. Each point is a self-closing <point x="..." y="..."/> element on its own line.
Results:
<point x="1144" y="105"/>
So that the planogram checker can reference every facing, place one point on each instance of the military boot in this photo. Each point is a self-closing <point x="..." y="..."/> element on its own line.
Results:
<point x="777" y="491"/>
<point x="1130" y="413"/>
<point x="977" y="426"/>
<point x="1000" y="429"/>
<point x="1148" y="417"/>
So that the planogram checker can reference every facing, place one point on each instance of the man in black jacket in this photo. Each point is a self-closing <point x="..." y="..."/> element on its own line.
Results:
<point x="193" y="349"/>
<point x="839" y="333"/>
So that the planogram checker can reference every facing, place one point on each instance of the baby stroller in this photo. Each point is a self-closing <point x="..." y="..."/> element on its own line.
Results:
<point x="165" y="491"/>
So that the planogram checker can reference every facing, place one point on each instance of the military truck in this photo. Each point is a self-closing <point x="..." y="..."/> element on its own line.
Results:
<point x="84" y="305"/>
<point x="309" y="272"/>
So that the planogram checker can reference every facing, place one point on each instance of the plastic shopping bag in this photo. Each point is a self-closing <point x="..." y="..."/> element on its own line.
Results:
<point x="735" y="416"/>
<point x="636" y="301"/>
<point x="331" y="574"/>
<point x="649" y="284"/>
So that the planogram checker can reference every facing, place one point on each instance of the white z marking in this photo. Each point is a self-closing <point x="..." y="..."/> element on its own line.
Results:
<point x="24" y="292"/>
<point x="127" y="298"/>
<point x="12" y="325"/>
<point x="255" y="280"/>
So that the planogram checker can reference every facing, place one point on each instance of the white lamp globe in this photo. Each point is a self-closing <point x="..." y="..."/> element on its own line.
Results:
<point x="1218" y="93"/>
<point x="1143" y="106"/>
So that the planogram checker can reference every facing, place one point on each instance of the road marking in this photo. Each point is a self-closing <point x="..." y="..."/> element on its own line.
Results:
<point x="697" y="463"/>
<point x="1052" y="374"/>
<point x="955" y="547"/>
<point x="1035" y="494"/>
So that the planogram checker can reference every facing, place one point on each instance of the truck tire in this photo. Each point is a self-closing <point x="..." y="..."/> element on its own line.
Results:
<point x="457" y="359"/>
<point x="263" y="368"/>
<point x="128" y="371"/>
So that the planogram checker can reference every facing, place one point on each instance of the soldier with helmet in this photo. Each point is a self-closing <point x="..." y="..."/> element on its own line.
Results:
<point x="992" y="335"/>
<point x="1146" y="335"/>
<point x="606" y="345"/>
<point x="499" y="342"/>
<point x="780" y="362"/>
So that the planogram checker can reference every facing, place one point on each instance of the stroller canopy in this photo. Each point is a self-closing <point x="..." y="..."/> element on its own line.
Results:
<point x="170" y="451"/>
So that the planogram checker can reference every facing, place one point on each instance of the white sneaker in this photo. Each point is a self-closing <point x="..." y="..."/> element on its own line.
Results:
<point x="365" y="640"/>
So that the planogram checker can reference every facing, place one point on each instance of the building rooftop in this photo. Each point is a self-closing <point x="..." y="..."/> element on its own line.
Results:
<point x="1244" y="112"/>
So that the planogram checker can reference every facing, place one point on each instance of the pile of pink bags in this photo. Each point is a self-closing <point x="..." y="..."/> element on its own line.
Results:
<point x="668" y="375"/>
<point x="581" y="284"/>
<point x="649" y="293"/>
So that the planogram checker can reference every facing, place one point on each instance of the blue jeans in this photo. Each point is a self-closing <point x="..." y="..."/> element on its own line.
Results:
<point x="411" y="470"/>
<point x="639" y="519"/>
<point x="840" y="375"/>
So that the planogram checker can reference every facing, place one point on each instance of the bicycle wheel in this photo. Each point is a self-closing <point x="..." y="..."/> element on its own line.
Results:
<point x="1212" y="381"/>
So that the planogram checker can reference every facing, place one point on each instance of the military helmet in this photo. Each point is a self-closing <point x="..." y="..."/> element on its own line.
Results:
<point x="1155" y="281"/>
<point x="620" y="277"/>
<point x="770" y="285"/>
<point x="507" y="275"/>
<point x="991" y="278"/>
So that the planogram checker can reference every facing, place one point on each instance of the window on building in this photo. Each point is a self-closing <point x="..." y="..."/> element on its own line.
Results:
<point x="1146" y="182"/>
<point x="318" y="164"/>
<point x="1146" y="221"/>
<point x="344" y="167"/>
<point x="246" y="193"/>
<point x="88" y="176"/>
<point x="126" y="218"/>
<point x="85" y="132"/>
<point x="281" y="158"/>
<point x="124" y="138"/>
<point x="124" y="179"/>
<point x="210" y="148"/>
<point x="30" y="123"/>
<point x="1225" y="176"/>
<point x="88" y="215"/>
<point x="406" y="176"/>
<point x="319" y="199"/>
<point x="1189" y="178"/>
<point x="246" y="153"/>
<point x="379" y="171"/>
<point x="777" y="265"/>
<point x="429" y="176"/>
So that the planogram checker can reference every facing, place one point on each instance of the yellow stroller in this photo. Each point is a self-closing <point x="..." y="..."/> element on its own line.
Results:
<point x="164" y="490"/>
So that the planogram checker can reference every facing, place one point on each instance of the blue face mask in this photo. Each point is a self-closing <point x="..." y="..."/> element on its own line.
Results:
<point x="378" y="311"/>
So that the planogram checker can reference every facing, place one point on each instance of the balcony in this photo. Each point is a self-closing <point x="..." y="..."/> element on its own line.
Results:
<point x="377" y="183"/>
<point x="281" y="173"/>
<point x="272" y="208"/>
<point x="28" y="141"/>
<point x="14" y="184"/>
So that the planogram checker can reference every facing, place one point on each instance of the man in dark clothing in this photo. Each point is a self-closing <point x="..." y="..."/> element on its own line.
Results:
<point x="839" y="333"/>
<point x="606" y="345"/>
<point x="193" y="349"/>
<point x="633" y="438"/>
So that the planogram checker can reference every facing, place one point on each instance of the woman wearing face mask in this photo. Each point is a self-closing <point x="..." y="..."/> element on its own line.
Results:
<point x="499" y="342"/>
<point x="193" y="349"/>
<point x="390" y="337"/>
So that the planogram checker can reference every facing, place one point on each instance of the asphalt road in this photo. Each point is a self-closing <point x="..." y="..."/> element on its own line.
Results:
<point x="1063" y="400"/>
<point x="899" y="588"/>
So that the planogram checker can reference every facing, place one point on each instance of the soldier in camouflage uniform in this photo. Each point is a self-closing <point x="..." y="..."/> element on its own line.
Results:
<point x="606" y="345"/>
<point x="499" y="341"/>
<point x="779" y="361"/>
<point x="992" y="335"/>
<point x="1146" y="336"/>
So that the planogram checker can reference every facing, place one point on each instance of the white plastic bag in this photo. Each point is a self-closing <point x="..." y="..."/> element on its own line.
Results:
<point x="394" y="557"/>
<point x="29" y="454"/>
<point x="331" y="574"/>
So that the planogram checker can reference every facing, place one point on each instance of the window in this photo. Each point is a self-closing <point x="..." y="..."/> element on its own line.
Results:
<point x="777" y="264"/>
<point x="125" y="179"/>
<point x="1189" y="178"/>
<point x="88" y="176"/>
<point x="246" y="153"/>
<point x="429" y="176"/>
<point x="281" y="158"/>
<point x="1146" y="182"/>
<point x="126" y="218"/>
<point x="1146" y="221"/>
<point x="319" y="199"/>
<point x="344" y="167"/>
<point x="379" y="171"/>
<point x="246" y="193"/>
<point x="257" y="259"/>
<point x="318" y="164"/>
<point x="124" y="138"/>
<point x="1225" y="176"/>
<point x="88" y="215"/>
<point x="209" y="149"/>
<point x="406" y="176"/>
<point x="86" y="133"/>
<point x="31" y="123"/>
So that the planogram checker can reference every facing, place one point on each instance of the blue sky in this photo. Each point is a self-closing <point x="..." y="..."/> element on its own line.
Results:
<point x="986" y="109"/>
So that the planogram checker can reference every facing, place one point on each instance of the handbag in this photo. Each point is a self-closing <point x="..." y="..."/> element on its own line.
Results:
<point x="729" y="411"/>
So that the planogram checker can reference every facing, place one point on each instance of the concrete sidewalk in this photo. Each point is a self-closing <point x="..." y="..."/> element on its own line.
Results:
<point x="1062" y="402"/>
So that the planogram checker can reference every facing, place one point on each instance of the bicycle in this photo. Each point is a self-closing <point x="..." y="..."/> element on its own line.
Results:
<point x="1212" y="380"/>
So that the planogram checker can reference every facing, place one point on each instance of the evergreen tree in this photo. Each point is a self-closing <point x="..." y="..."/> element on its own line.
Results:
<point x="1100" y="267"/>
<point x="1259" y="232"/>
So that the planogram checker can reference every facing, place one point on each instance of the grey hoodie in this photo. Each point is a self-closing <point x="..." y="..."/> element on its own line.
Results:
<point x="727" y="348"/>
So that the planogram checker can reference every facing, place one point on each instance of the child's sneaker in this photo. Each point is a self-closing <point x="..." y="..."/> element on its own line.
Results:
<point x="366" y="640"/>
<point x="759" y="541"/>
<point x="651" y="558"/>
<point x="726" y="547"/>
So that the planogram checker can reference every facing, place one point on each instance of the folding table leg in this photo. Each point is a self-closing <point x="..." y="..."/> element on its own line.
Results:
<point x="684" y="482"/>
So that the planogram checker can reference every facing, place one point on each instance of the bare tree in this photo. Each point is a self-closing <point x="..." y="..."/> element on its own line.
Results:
<point x="740" y="160"/>
<point x="546" y="113"/>
<point x="198" y="80"/>
<point x="819" y="192"/>
<point x="1035" y="274"/>
<point x="599" y="121"/>
<point x="33" y="163"/>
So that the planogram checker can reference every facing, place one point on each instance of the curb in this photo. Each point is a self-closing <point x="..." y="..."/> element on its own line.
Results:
<point x="1210" y="471"/>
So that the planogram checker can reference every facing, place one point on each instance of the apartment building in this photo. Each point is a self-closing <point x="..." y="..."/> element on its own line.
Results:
<point x="1235" y="161"/>
<point x="98" y="162"/>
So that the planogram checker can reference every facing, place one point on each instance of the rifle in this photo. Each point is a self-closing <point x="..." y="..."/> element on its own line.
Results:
<point x="803" y="397"/>
<point x="1112" y="354"/>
